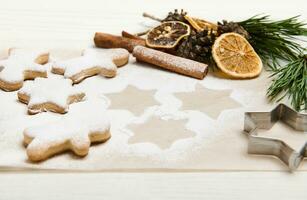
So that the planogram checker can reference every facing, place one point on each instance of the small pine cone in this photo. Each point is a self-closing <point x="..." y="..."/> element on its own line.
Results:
<point x="176" y="16"/>
<point x="197" y="46"/>
<point x="226" y="27"/>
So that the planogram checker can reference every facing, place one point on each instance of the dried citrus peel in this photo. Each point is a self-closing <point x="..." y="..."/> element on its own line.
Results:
<point x="200" y="24"/>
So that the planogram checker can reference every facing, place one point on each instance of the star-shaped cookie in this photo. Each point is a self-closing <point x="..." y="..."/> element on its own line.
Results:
<point x="73" y="132"/>
<point x="133" y="99"/>
<point x="272" y="145"/>
<point x="91" y="63"/>
<point x="211" y="102"/>
<point x="162" y="133"/>
<point x="21" y="65"/>
<point x="49" y="94"/>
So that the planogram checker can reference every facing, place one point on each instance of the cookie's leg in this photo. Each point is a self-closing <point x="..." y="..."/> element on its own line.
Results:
<point x="80" y="145"/>
<point x="39" y="150"/>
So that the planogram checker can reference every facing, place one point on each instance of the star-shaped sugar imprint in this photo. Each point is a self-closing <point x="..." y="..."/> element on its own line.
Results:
<point x="211" y="102"/>
<point x="92" y="62"/>
<point x="72" y="132"/>
<point x="22" y="65"/>
<point x="51" y="94"/>
<point x="133" y="99"/>
<point x="289" y="145"/>
<point x="162" y="133"/>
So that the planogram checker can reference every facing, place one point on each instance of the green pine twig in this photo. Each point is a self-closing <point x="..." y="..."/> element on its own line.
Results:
<point x="275" y="39"/>
<point x="290" y="80"/>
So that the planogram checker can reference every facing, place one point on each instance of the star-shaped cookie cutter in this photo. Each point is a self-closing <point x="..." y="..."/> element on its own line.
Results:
<point x="275" y="147"/>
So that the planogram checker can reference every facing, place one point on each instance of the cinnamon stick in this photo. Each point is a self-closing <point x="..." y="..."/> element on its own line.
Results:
<point x="131" y="36"/>
<point x="105" y="40"/>
<point x="170" y="62"/>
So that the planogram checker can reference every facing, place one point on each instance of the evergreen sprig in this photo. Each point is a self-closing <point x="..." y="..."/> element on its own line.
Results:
<point x="275" y="39"/>
<point x="290" y="80"/>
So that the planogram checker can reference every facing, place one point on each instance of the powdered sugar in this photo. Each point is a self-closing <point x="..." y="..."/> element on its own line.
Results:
<point x="25" y="55"/>
<point x="168" y="61"/>
<point x="69" y="127"/>
<point x="55" y="90"/>
<point x="72" y="132"/>
<point x="91" y="58"/>
<point x="103" y="53"/>
<point x="18" y="62"/>
<point x="213" y="137"/>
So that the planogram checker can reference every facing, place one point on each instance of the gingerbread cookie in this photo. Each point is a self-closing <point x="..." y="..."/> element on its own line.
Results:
<point x="51" y="94"/>
<point x="91" y="63"/>
<point x="75" y="133"/>
<point x="22" y="65"/>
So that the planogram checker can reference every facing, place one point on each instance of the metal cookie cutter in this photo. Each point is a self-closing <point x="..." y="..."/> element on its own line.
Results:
<point x="268" y="146"/>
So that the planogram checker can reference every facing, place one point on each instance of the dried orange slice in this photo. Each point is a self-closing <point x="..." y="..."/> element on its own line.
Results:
<point x="236" y="57"/>
<point x="167" y="35"/>
<point x="200" y="24"/>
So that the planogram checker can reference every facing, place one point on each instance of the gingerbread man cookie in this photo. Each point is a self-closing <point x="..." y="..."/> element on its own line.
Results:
<point x="51" y="94"/>
<point x="91" y="63"/>
<point x="75" y="133"/>
<point x="22" y="65"/>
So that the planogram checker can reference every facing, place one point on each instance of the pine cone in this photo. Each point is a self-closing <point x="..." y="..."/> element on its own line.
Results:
<point x="197" y="46"/>
<point x="176" y="16"/>
<point x="226" y="27"/>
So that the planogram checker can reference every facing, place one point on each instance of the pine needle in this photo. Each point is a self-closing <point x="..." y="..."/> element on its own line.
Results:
<point x="290" y="80"/>
<point x="275" y="39"/>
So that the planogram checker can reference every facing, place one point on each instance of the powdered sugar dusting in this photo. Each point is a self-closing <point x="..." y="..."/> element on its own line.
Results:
<point x="115" y="53"/>
<point x="68" y="127"/>
<point x="25" y="55"/>
<point x="54" y="89"/>
<point x="18" y="62"/>
<point x="91" y="58"/>
<point x="213" y="137"/>
<point x="74" y="133"/>
<point x="168" y="61"/>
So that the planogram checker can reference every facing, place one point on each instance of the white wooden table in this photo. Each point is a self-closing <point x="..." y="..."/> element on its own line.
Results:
<point x="71" y="24"/>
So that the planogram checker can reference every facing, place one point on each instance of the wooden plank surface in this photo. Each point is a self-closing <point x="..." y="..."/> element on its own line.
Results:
<point x="71" y="24"/>
<point x="242" y="185"/>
